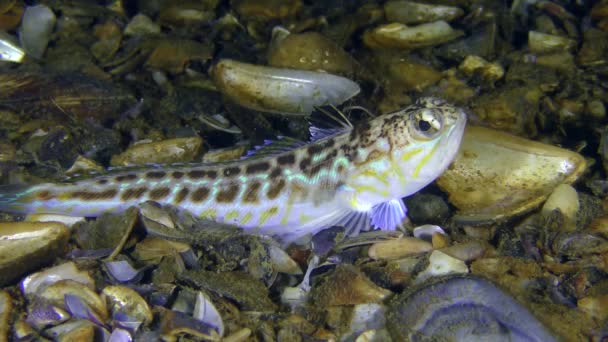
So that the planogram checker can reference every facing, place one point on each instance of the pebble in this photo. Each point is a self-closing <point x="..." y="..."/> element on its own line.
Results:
<point x="179" y="150"/>
<point x="440" y="264"/>
<point x="396" y="248"/>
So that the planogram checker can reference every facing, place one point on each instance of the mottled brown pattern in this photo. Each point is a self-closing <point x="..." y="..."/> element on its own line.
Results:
<point x="133" y="193"/>
<point x="212" y="174"/>
<point x="298" y="190"/>
<point x="181" y="195"/>
<point x="155" y="174"/>
<point x="200" y="194"/>
<point x="314" y="149"/>
<point x="227" y="194"/>
<point x="177" y="174"/>
<point x="93" y="195"/>
<point x="231" y="171"/>
<point x="195" y="174"/>
<point x="305" y="163"/>
<point x="315" y="169"/>
<point x="276" y="172"/>
<point x="275" y="189"/>
<point x="257" y="167"/>
<point x="286" y="159"/>
<point x="329" y="143"/>
<point x="251" y="193"/>
<point x="127" y="177"/>
<point x="359" y="130"/>
<point x="44" y="195"/>
<point x="160" y="193"/>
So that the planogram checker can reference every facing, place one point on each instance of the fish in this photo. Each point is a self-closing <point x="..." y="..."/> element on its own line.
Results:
<point x="354" y="177"/>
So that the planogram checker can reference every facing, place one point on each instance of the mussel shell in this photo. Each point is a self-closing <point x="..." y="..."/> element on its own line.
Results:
<point x="462" y="308"/>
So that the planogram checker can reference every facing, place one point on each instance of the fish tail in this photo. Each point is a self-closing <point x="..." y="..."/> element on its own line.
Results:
<point x="14" y="197"/>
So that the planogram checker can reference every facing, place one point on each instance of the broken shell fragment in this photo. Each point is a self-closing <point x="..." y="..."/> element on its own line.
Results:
<point x="35" y="282"/>
<point x="206" y="312"/>
<point x="497" y="175"/>
<point x="346" y="285"/>
<point x="283" y="91"/>
<point x="441" y="263"/>
<point x="76" y="298"/>
<point x="25" y="246"/>
<point x="408" y="12"/>
<point x="9" y="50"/>
<point x="397" y="35"/>
<point x="461" y="308"/>
<point x="121" y="299"/>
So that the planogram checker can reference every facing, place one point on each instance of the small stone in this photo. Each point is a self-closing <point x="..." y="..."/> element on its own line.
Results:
<point x="467" y="251"/>
<point x="597" y="109"/>
<point x="141" y="25"/>
<point x="397" y="248"/>
<point x="267" y="9"/>
<point x="565" y="199"/>
<point x="346" y="285"/>
<point x="440" y="264"/>
<point x="439" y="240"/>
<point x="160" y="152"/>
<point x="427" y="209"/>
<point x="596" y="307"/>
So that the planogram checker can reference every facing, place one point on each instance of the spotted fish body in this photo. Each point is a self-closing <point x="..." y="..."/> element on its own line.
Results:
<point x="355" y="178"/>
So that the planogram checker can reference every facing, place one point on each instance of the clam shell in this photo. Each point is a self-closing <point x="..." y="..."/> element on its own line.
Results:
<point x="25" y="246"/>
<point x="282" y="91"/>
<point x="397" y="35"/>
<point x="497" y="175"/>
<point x="461" y="308"/>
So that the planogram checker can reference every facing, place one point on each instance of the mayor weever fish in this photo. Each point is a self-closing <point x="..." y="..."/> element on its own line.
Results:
<point x="354" y="178"/>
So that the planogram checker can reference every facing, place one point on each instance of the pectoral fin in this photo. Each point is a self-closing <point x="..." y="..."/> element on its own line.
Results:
<point x="388" y="215"/>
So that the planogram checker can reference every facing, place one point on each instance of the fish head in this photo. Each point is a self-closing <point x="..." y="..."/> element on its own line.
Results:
<point x="424" y="139"/>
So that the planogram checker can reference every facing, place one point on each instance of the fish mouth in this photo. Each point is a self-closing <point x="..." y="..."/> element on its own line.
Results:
<point x="457" y="130"/>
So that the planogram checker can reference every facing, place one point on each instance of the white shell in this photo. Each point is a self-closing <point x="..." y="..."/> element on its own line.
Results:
<point x="397" y="35"/>
<point x="441" y="264"/>
<point x="36" y="27"/>
<point x="283" y="91"/>
<point x="9" y="51"/>
<point x="425" y="232"/>
<point x="205" y="311"/>
<point x="66" y="271"/>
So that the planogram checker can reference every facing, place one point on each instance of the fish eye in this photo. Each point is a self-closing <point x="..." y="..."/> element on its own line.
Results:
<point x="424" y="125"/>
<point x="427" y="123"/>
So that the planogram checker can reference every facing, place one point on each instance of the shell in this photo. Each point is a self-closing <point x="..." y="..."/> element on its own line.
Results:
<point x="283" y="91"/>
<point x="461" y="308"/>
<point x="36" y="27"/>
<point x="397" y="35"/>
<point x="25" y="246"/>
<point x="497" y="175"/>
<point x="408" y="12"/>
<point x="161" y="152"/>
<point x="9" y="50"/>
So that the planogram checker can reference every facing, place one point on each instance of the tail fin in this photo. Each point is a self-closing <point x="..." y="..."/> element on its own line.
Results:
<point x="12" y="197"/>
